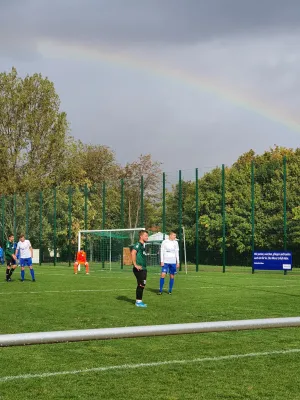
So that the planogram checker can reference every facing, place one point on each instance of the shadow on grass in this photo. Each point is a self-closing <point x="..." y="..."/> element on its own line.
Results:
<point x="125" y="298"/>
<point x="155" y="290"/>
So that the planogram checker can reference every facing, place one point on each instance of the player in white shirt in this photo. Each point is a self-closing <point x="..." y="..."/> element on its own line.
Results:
<point x="26" y="253"/>
<point x="169" y="258"/>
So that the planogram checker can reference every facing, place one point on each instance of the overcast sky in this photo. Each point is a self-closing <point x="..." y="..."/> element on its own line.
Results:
<point x="251" y="48"/>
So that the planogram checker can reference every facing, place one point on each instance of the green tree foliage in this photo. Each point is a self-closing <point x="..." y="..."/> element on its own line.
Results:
<point x="33" y="132"/>
<point x="269" y="206"/>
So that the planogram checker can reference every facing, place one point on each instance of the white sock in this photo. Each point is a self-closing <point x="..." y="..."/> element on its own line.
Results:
<point x="138" y="301"/>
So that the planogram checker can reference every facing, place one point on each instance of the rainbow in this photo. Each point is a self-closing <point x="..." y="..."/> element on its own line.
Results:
<point x="202" y="83"/>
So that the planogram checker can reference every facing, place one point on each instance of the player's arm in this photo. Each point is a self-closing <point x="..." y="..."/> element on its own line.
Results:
<point x="31" y="250"/>
<point x="162" y="250"/>
<point x="133" y="256"/>
<point x="177" y="254"/>
<point x="17" y="253"/>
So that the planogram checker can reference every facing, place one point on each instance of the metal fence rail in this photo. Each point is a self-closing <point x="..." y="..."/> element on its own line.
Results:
<point x="21" y="339"/>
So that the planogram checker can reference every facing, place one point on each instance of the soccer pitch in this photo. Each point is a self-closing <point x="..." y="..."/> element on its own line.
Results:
<point x="258" y="364"/>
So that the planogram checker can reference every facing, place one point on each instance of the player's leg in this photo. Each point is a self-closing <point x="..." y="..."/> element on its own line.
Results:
<point x="164" y="271"/>
<point x="87" y="269"/>
<point x="141" y="276"/>
<point x="172" y="270"/>
<point x="22" y="264"/>
<point x="8" y="266"/>
<point x="12" y="268"/>
<point x="29" y="264"/>
<point x="75" y="267"/>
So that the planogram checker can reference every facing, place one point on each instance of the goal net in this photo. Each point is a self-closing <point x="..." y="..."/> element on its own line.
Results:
<point x="108" y="249"/>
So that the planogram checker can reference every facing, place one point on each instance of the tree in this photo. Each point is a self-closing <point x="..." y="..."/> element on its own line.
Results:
<point x="99" y="163"/>
<point x="132" y="174"/>
<point x="33" y="132"/>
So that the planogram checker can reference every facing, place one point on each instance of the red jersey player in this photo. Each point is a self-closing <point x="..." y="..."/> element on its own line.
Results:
<point x="81" y="260"/>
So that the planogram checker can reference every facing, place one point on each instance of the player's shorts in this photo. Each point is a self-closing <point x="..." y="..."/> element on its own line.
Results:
<point x="26" y="262"/>
<point x="171" y="268"/>
<point x="141" y="276"/>
<point x="10" y="262"/>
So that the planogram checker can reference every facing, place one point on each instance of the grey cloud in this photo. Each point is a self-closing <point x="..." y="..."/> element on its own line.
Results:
<point x="133" y="22"/>
<point x="119" y="106"/>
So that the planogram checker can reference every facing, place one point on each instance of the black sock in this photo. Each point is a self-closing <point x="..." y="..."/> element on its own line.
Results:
<point x="139" y="293"/>
<point x="7" y="273"/>
<point x="11" y="272"/>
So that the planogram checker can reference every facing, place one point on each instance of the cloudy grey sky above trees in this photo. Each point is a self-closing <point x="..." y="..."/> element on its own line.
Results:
<point x="148" y="76"/>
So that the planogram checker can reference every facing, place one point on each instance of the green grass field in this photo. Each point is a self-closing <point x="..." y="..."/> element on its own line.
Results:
<point x="259" y="364"/>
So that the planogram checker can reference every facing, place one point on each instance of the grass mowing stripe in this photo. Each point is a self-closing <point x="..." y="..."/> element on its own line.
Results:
<point x="149" y="365"/>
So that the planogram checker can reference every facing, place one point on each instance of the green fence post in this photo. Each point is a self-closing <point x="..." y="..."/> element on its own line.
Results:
<point x="164" y="206"/>
<point x="122" y="218"/>
<point x="122" y="204"/>
<point x="41" y="228"/>
<point x="103" y="221"/>
<point x="70" y="224"/>
<point x="85" y="206"/>
<point x="54" y="228"/>
<point x="15" y="215"/>
<point x="3" y="219"/>
<point x="197" y="219"/>
<point x="223" y="219"/>
<point x="142" y="202"/>
<point x="27" y="215"/>
<point x="284" y="208"/>
<point x="252" y="212"/>
<point x="180" y="217"/>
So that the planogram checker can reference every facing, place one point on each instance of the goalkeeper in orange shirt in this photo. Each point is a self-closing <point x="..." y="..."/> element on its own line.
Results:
<point x="81" y="260"/>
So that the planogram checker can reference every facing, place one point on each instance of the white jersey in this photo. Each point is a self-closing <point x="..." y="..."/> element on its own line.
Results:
<point x="169" y="252"/>
<point x="23" y="249"/>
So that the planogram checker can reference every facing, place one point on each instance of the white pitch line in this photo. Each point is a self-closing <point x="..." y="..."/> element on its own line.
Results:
<point x="148" y="365"/>
<point x="68" y="291"/>
<point x="125" y="290"/>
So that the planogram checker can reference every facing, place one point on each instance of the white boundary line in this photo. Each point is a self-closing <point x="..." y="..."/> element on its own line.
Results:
<point x="68" y="291"/>
<point x="149" y="365"/>
<point x="132" y="289"/>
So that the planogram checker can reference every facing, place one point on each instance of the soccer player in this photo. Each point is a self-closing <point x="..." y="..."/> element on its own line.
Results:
<point x="10" y="257"/>
<point x="24" y="249"/>
<point x="81" y="260"/>
<point x="138" y="255"/>
<point x="169" y="258"/>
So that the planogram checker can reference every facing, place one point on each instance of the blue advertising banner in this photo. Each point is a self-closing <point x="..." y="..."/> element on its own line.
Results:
<point x="272" y="260"/>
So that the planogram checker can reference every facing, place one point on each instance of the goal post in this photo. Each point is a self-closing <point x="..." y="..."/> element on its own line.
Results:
<point x="108" y="248"/>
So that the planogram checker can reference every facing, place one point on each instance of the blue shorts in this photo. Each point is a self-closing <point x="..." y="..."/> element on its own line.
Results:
<point x="26" y="262"/>
<point x="171" y="268"/>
